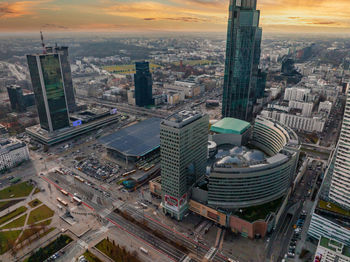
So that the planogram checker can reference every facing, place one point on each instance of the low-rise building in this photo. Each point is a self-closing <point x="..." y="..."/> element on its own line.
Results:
<point x="12" y="152"/>
<point x="330" y="250"/>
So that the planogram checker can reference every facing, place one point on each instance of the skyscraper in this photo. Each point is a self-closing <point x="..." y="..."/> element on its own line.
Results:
<point x="242" y="60"/>
<point x="183" y="145"/>
<point x="143" y="84"/>
<point x="48" y="85"/>
<point x="339" y="190"/>
<point x="16" y="98"/>
<point x="66" y="73"/>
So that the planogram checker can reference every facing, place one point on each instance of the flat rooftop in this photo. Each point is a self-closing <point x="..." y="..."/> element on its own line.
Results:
<point x="230" y="126"/>
<point x="136" y="140"/>
<point x="335" y="246"/>
<point x="182" y="118"/>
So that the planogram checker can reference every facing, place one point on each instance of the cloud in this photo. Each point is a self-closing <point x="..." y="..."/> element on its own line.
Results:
<point x="54" y="26"/>
<point x="20" y="8"/>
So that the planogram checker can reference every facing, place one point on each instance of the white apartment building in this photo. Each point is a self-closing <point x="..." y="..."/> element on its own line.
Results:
<point x="297" y="122"/>
<point x="325" y="106"/>
<point x="306" y="108"/>
<point x="329" y="250"/>
<point x="339" y="190"/>
<point x="12" y="152"/>
<point x="296" y="94"/>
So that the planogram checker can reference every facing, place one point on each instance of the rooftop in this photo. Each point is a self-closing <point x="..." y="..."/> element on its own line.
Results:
<point x="230" y="126"/>
<point x="182" y="118"/>
<point x="335" y="246"/>
<point x="136" y="140"/>
<point x="333" y="208"/>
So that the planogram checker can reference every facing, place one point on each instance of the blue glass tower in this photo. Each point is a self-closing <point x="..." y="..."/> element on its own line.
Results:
<point x="241" y="87"/>
<point x="143" y="84"/>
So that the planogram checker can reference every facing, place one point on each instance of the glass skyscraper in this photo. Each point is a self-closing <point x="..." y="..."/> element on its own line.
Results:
<point x="241" y="88"/>
<point x="143" y="84"/>
<point x="48" y="85"/>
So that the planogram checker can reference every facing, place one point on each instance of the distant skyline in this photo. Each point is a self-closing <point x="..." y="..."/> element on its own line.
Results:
<point x="169" y="15"/>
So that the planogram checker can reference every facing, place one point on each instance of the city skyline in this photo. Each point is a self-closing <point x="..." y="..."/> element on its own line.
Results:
<point x="169" y="15"/>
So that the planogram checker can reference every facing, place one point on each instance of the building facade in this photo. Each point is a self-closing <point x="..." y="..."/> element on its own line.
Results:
<point x="67" y="75"/>
<point x="241" y="87"/>
<point x="248" y="178"/>
<point x="184" y="149"/>
<point x="15" y="94"/>
<point x="330" y="250"/>
<point x="48" y="85"/>
<point x="143" y="84"/>
<point x="339" y="191"/>
<point x="12" y="152"/>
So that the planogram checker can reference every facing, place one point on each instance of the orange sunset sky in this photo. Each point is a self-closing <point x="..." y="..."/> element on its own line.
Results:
<point x="169" y="15"/>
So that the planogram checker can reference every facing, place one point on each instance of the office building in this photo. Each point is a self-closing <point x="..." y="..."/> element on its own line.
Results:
<point x="15" y="94"/>
<point x="241" y="87"/>
<point x="330" y="250"/>
<point x="184" y="150"/>
<point x="12" y="153"/>
<point x="143" y="84"/>
<point x="67" y="76"/>
<point x="339" y="189"/>
<point x="48" y="85"/>
<point x="19" y="101"/>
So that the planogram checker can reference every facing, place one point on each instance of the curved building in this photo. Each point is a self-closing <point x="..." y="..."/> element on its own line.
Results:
<point x="259" y="173"/>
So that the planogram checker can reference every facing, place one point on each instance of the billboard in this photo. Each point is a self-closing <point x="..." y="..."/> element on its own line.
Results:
<point x="77" y="123"/>
<point x="113" y="111"/>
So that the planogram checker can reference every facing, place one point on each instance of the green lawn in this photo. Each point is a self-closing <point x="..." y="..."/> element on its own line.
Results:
<point x="12" y="214"/>
<point x="29" y="232"/>
<point x="333" y="208"/>
<point x="18" y="190"/>
<point x="44" y="223"/>
<point x="91" y="257"/>
<point x="115" y="252"/>
<point x="39" y="214"/>
<point x="34" y="203"/>
<point x="7" y="204"/>
<point x="19" y="222"/>
<point x="7" y="239"/>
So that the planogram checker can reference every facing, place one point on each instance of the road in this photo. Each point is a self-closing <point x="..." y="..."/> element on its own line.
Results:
<point x="103" y="209"/>
<point x="279" y="241"/>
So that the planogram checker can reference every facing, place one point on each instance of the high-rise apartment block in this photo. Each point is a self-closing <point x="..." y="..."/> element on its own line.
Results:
<point x="242" y="75"/>
<point x="184" y="150"/>
<point x="48" y="85"/>
<point x="339" y="190"/>
<point x="143" y="84"/>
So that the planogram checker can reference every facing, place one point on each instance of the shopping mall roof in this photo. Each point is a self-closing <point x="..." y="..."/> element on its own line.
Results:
<point x="230" y="126"/>
<point x="136" y="140"/>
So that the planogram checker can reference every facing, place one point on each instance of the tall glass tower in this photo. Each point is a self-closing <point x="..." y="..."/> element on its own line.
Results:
<point x="48" y="85"/>
<point x="143" y="84"/>
<point x="242" y="60"/>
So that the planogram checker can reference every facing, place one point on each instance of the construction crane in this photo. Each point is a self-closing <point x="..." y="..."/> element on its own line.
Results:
<point x="42" y="42"/>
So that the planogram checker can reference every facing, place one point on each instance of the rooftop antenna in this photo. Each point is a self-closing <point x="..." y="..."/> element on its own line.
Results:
<point x="42" y="42"/>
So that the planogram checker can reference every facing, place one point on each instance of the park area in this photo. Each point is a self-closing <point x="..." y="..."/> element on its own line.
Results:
<point x="25" y="223"/>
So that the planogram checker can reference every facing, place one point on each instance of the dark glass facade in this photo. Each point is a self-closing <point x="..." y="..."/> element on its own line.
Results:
<point x="143" y="84"/>
<point x="67" y="76"/>
<point x="45" y="71"/>
<point x="242" y="60"/>
<point x="16" y="98"/>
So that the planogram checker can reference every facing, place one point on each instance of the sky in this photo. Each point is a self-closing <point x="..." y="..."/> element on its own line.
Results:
<point x="331" y="16"/>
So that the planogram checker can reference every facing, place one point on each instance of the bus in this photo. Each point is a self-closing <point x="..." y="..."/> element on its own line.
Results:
<point x="77" y="199"/>
<point x="144" y="250"/>
<point x="64" y="192"/>
<point x="149" y="168"/>
<point x="79" y="179"/>
<point x="15" y="180"/>
<point x="59" y="172"/>
<point x="62" y="202"/>
<point x="129" y="173"/>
